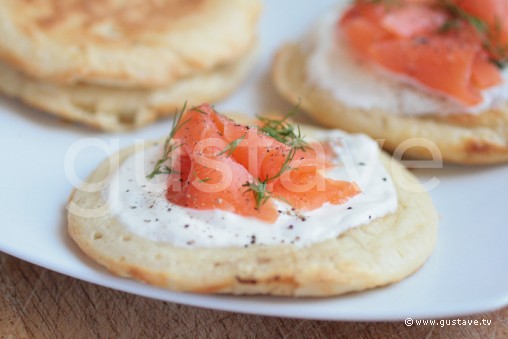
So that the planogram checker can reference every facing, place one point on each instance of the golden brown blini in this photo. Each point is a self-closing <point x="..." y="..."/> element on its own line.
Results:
<point x="124" y="43"/>
<point x="117" y="109"/>
<point x="461" y="138"/>
<point x="378" y="253"/>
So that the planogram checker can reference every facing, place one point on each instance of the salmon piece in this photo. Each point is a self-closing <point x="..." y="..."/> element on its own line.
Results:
<point x="195" y="125"/>
<point x="361" y="26"/>
<point x="485" y="73"/>
<point x="422" y="2"/>
<point x="362" y="34"/>
<point x="201" y="183"/>
<point x="439" y="63"/>
<point x="406" y="22"/>
<point x="209" y="177"/>
<point x="262" y="155"/>
<point x="204" y="188"/>
<point x="304" y="190"/>
<point x="372" y="13"/>
<point x="253" y="147"/>
<point x="408" y="39"/>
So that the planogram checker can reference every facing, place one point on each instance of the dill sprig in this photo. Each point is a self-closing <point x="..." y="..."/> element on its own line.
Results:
<point x="459" y="13"/>
<point x="230" y="148"/>
<point x="260" y="187"/>
<point x="285" y="166"/>
<point x="386" y="3"/>
<point x="449" y="25"/>
<point x="201" y="111"/>
<point x="260" y="191"/>
<point x="499" y="53"/>
<point x="298" y="141"/>
<point x="169" y="147"/>
<point x="282" y="130"/>
<point x="199" y="179"/>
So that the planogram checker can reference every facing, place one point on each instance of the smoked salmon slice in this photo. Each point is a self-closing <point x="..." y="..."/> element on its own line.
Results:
<point x="221" y="162"/>
<point x="406" y="22"/>
<point x="429" y="42"/>
<point x="415" y="59"/>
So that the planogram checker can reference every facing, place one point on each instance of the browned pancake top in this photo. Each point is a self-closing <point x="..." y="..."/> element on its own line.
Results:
<point x="102" y="21"/>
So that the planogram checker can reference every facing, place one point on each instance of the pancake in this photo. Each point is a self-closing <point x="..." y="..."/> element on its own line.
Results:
<point x="460" y="138"/>
<point x="116" y="109"/>
<point x="124" y="43"/>
<point x="378" y="253"/>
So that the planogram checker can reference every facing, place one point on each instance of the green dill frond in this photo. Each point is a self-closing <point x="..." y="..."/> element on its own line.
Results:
<point x="282" y="130"/>
<point x="194" y="173"/>
<point x="449" y="25"/>
<point x="387" y="3"/>
<point x="230" y="148"/>
<point x="298" y="142"/>
<point x="259" y="187"/>
<point x="200" y="111"/>
<point x="458" y="12"/>
<point x="285" y="166"/>
<point x="169" y="147"/>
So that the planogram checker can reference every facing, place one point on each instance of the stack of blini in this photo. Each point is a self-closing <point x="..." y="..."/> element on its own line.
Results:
<point x="121" y="64"/>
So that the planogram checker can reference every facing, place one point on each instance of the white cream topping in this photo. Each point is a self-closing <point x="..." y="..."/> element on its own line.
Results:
<point x="141" y="206"/>
<point x="333" y="66"/>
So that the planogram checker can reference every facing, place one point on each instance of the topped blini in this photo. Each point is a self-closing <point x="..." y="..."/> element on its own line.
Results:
<point x="268" y="208"/>
<point x="398" y="70"/>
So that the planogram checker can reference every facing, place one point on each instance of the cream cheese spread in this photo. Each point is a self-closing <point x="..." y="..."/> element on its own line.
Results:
<point x="141" y="206"/>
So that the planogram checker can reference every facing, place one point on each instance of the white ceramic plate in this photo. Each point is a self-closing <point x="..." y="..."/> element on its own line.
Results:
<point x="467" y="273"/>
